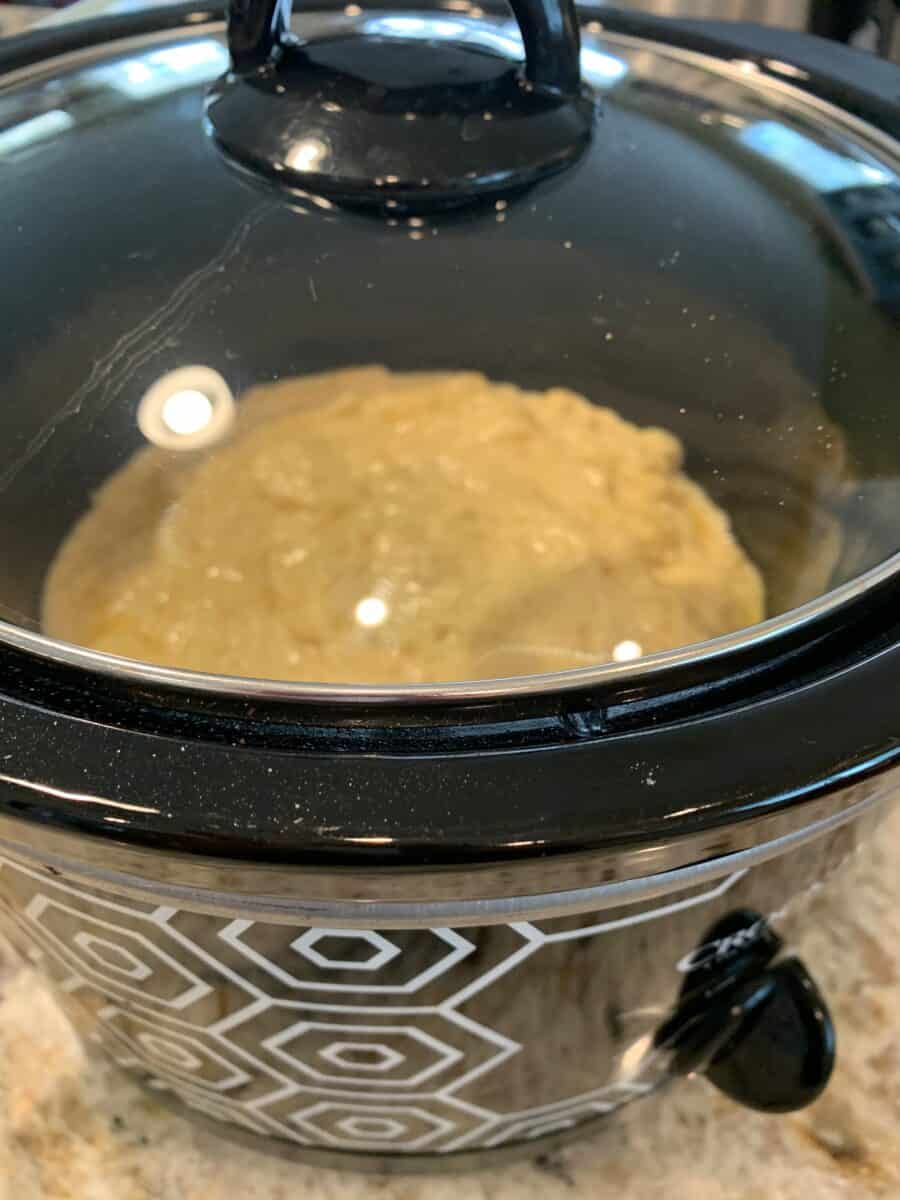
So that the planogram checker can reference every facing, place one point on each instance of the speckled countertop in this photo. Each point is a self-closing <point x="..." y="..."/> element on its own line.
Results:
<point x="72" y="1129"/>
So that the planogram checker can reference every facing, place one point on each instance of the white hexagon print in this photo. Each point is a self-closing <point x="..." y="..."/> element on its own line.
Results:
<point x="319" y="959"/>
<point x="114" y="957"/>
<point x="377" y="949"/>
<point x="195" y="1059"/>
<point x="217" y="1108"/>
<point x="127" y="950"/>
<point x="362" y="1127"/>
<point x="360" y="1056"/>
<point x="417" y="1051"/>
<point x="429" y="1055"/>
<point x="350" y="1039"/>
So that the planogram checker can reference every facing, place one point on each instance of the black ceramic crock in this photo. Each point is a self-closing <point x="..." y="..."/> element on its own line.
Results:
<point x="435" y="925"/>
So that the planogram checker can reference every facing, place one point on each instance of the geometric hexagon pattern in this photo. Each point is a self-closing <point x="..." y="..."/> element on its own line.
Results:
<point x="352" y="1039"/>
<point x="352" y="961"/>
<point x="411" y="1058"/>
<point x="114" y="956"/>
<point x="195" y="1059"/>
<point x="376" y="950"/>
<point x="361" y="1056"/>
<point x="360" y="1127"/>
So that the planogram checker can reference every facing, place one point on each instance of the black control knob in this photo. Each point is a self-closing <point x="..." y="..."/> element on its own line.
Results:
<point x="780" y="1051"/>
<point x="761" y="1033"/>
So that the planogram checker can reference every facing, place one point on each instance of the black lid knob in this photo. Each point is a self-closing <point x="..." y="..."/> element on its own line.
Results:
<point x="417" y="121"/>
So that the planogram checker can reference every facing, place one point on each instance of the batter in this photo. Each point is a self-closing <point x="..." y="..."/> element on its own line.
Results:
<point x="371" y="527"/>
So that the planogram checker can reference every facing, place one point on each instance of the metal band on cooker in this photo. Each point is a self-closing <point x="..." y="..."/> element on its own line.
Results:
<point x="367" y="914"/>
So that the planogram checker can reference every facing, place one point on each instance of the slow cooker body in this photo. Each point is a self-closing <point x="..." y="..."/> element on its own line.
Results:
<point x="423" y="928"/>
<point x="430" y="1046"/>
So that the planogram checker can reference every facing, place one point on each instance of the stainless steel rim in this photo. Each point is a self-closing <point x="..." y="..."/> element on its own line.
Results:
<point x="368" y="914"/>
<point x="133" y="671"/>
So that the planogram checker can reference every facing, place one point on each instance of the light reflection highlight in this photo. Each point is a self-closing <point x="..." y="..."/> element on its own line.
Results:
<point x="633" y="1057"/>
<point x="627" y="651"/>
<point x="822" y="168"/>
<point x="105" y="88"/>
<point x="187" y="411"/>
<point x="307" y="155"/>
<point x="78" y="797"/>
<point x="601" y="68"/>
<point x="164" y="70"/>
<point x="35" y="129"/>
<point x="371" y="612"/>
<point x="787" y="69"/>
<point x="504" y="39"/>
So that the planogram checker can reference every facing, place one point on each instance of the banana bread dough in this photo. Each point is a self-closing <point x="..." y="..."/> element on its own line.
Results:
<point x="371" y="527"/>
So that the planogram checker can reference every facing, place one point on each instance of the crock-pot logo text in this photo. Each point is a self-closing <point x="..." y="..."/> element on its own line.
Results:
<point x="724" y="948"/>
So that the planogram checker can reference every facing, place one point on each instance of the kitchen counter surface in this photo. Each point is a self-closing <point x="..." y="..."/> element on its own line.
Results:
<point x="72" y="1129"/>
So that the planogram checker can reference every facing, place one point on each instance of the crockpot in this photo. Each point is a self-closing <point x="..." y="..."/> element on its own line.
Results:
<point x="448" y="922"/>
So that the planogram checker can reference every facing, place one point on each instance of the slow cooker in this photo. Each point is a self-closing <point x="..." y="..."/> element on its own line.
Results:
<point x="435" y="924"/>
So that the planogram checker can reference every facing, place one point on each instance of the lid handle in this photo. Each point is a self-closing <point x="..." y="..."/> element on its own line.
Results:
<point x="425" y="119"/>
<point x="255" y="28"/>
<point x="549" y="28"/>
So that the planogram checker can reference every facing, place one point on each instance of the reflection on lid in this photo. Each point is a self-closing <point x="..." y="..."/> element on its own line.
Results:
<point x="308" y="154"/>
<point x="857" y="201"/>
<point x="165" y="70"/>
<point x="505" y="40"/>
<point x="35" y="129"/>
<point x="599" y="67"/>
<point x="823" y="168"/>
<point x="602" y="69"/>
<point x="90" y="95"/>
<point x="187" y="409"/>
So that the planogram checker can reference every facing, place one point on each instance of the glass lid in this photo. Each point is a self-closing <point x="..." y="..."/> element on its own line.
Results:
<point x="387" y="352"/>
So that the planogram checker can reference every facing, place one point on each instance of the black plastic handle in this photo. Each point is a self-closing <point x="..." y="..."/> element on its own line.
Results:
<point x="552" y="44"/>
<point x="550" y="34"/>
<point x="255" y="29"/>
<point x="413" y="122"/>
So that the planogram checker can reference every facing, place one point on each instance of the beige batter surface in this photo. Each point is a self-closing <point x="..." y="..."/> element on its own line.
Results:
<point x="367" y="526"/>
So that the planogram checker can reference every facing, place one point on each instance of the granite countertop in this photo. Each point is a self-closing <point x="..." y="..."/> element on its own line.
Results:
<point x="71" y="1128"/>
